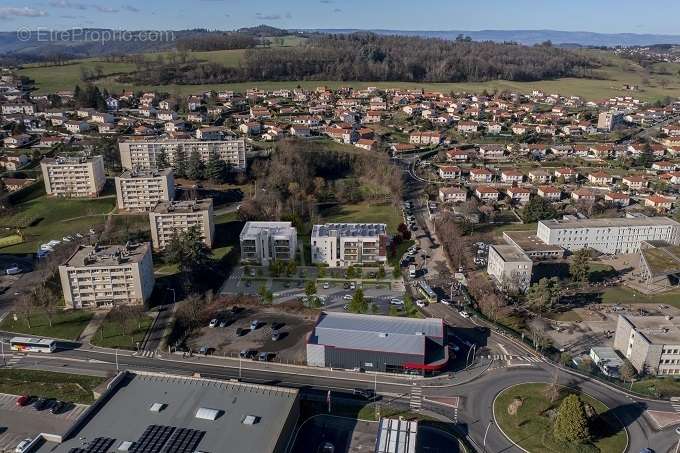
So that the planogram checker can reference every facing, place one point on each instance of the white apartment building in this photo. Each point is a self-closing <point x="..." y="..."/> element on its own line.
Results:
<point x="73" y="176"/>
<point x="609" y="236"/>
<point x="141" y="190"/>
<point x="651" y="343"/>
<point x="174" y="217"/>
<point x="142" y="152"/>
<point x="346" y="244"/>
<point x="510" y="267"/>
<point x="264" y="242"/>
<point x="113" y="275"/>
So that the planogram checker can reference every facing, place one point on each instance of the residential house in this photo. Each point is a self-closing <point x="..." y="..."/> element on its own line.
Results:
<point x="550" y="193"/>
<point x="658" y="202"/>
<point x="452" y="194"/>
<point x="583" y="194"/>
<point x="567" y="174"/>
<point x="481" y="175"/>
<point x="77" y="127"/>
<point x="457" y="155"/>
<point x="635" y="182"/>
<point x="17" y="141"/>
<point x="426" y="138"/>
<point x="486" y="193"/>
<point x="617" y="199"/>
<point x="519" y="194"/>
<point x="492" y="151"/>
<point x="539" y="176"/>
<point x="512" y="176"/>
<point x="449" y="172"/>
<point x="467" y="127"/>
<point x="367" y="144"/>
<point x="600" y="178"/>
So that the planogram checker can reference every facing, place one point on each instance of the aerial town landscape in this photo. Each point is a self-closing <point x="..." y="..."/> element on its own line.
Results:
<point x="218" y="236"/>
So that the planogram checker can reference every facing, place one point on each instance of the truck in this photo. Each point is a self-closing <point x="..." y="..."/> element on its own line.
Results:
<point x="412" y="271"/>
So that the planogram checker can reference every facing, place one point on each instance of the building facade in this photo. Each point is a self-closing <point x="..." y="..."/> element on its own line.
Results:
<point x="142" y="153"/>
<point x="77" y="177"/>
<point x="264" y="242"/>
<point x="510" y="267"/>
<point x="141" y="190"/>
<point x="651" y="343"/>
<point x="609" y="236"/>
<point x="95" y="277"/>
<point x="170" y="218"/>
<point x="347" y="244"/>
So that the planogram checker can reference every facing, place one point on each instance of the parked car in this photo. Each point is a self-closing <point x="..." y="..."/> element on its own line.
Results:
<point x="213" y="323"/>
<point x="326" y="285"/>
<point x="223" y="324"/>
<point x="41" y="404"/>
<point x="254" y="324"/>
<point x="241" y="331"/>
<point x="464" y="314"/>
<point x="276" y="335"/>
<point x="23" y="400"/>
<point x="204" y="350"/>
<point x="445" y="302"/>
<point x="352" y="285"/>
<point x="14" y="269"/>
<point x="21" y="446"/>
<point x="347" y="297"/>
<point x="367" y="394"/>
<point x="327" y="447"/>
<point x="421" y="303"/>
<point x="58" y="407"/>
<point x="395" y="301"/>
<point x="248" y="354"/>
<point x="263" y="357"/>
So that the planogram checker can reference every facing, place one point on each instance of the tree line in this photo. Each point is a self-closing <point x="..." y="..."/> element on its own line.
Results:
<point x="366" y="56"/>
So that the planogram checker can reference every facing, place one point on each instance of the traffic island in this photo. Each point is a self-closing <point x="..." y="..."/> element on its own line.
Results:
<point x="551" y="418"/>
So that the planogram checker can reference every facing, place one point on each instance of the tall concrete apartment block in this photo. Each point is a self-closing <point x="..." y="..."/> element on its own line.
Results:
<point x="173" y="217"/>
<point x="510" y="266"/>
<point x="264" y="242"/>
<point x="347" y="244"/>
<point x="141" y="190"/>
<point x="142" y="153"/>
<point x="609" y="236"/>
<point x="103" y="276"/>
<point x="607" y="121"/>
<point x="78" y="177"/>
<point x="651" y="343"/>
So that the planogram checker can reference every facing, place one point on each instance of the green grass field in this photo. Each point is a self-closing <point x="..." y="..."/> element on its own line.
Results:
<point x="658" y="388"/>
<point x="609" y="82"/>
<point x="53" y="218"/>
<point x="532" y="429"/>
<point x="624" y="295"/>
<point x="363" y="212"/>
<point x="12" y="239"/>
<point x="66" y="325"/>
<point x="66" y="387"/>
<point x="110" y="334"/>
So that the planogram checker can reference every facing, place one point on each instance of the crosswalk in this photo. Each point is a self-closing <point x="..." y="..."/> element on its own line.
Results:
<point x="145" y="354"/>
<point x="10" y="361"/>
<point x="675" y="402"/>
<point x="416" y="399"/>
<point x="519" y="358"/>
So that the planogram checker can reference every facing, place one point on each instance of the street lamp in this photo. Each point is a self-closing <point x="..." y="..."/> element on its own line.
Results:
<point x="174" y="299"/>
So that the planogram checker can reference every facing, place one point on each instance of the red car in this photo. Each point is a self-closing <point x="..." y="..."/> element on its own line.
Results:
<point x="23" y="400"/>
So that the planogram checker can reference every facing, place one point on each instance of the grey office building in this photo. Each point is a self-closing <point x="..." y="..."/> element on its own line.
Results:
<point x="377" y="343"/>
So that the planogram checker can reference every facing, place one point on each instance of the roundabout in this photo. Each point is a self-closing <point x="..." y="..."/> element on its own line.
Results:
<point x="527" y="414"/>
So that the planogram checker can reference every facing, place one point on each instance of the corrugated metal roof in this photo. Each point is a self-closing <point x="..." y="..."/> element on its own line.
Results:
<point x="376" y="333"/>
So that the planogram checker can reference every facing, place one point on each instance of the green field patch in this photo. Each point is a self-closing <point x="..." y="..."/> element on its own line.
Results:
<point x="110" y="334"/>
<point x="67" y="325"/>
<point x="62" y="386"/>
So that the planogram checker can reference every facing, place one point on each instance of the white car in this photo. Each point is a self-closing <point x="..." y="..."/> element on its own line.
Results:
<point x="21" y="447"/>
<point x="352" y="286"/>
<point x="421" y="303"/>
<point x="464" y="314"/>
<point x="213" y="323"/>
<point x="326" y="285"/>
<point x="347" y="297"/>
<point x="395" y="301"/>
<point x="445" y="302"/>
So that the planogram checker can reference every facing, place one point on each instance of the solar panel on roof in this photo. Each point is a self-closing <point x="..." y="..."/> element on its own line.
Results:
<point x="184" y="440"/>
<point x="153" y="439"/>
<point x="98" y="445"/>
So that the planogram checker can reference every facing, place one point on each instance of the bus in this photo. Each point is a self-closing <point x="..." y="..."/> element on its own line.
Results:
<point x="24" y="344"/>
<point x="427" y="292"/>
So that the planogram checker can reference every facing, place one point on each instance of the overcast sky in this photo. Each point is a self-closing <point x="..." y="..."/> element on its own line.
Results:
<point x="607" y="16"/>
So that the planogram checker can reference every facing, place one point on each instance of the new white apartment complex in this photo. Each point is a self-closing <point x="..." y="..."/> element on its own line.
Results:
<point x="510" y="267"/>
<point x="73" y="176"/>
<point x="141" y="190"/>
<point x="142" y="152"/>
<point x="263" y="242"/>
<point x="112" y="275"/>
<point x="173" y="217"/>
<point x="651" y="343"/>
<point x="609" y="236"/>
<point x="346" y="244"/>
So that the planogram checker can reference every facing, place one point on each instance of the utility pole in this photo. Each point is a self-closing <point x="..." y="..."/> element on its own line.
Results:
<point x="117" y="368"/>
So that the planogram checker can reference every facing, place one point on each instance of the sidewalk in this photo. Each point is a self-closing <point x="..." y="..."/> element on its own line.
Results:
<point x="93" y="326"/>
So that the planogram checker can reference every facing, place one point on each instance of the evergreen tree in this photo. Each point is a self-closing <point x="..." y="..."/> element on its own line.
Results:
<point x="180" y="164"/>
<point x="579" y="267"/>
<point x="188" y="250"/>
<point x="162" y="160"/>
<point x="537" y="209"/>
<point x="216" y="169"/>
<point x="195" y="167"/>
<point x="571" y="423"/>
<point x="358" y="304"/>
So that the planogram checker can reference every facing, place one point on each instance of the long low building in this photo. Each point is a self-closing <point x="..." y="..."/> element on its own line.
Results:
<point x="143" y="153"/>
<point x="609" y="236"/>
<point x="104" y="276"/>
<point x="378" y="343"/>
<point x="144" y="412"/>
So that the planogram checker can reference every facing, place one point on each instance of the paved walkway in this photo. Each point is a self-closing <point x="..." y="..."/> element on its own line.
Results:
<point x="93" y="326"/>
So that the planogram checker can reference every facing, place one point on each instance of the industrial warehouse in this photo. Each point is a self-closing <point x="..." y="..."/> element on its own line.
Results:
<point x="378" y="343"/>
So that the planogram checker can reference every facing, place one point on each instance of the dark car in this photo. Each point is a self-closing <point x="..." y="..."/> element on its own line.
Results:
<point x="41" y="404"/>
<point x="364" y="393"/>
<point x="248" y="354"/>
<point x="58" y="407"/>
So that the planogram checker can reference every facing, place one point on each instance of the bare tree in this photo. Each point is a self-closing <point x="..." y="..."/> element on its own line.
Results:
<point x="26" y="308"/>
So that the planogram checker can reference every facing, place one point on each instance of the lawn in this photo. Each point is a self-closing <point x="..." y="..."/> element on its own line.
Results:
<point x="658" y="387"/>
<point x="43" y="219"/>
<point x="110" y="334"/>
<point x="12" y="239"/>
<point x="66" y="387"/>
<point x="499" y="229"/>
<point x="66" y="325"/>
<point x="625" y="295"/>
<point x="532" y="429"/>
<point x="363" y="213"/>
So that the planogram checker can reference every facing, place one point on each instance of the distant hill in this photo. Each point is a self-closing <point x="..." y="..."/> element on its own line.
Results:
<point x="530" y="37"/>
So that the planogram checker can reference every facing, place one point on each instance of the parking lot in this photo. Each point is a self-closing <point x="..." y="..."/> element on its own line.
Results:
<point x="292" y="324"/>
<point x="18" y="423"/>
